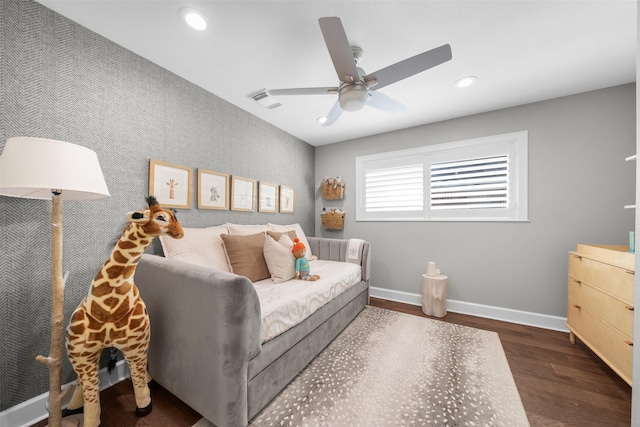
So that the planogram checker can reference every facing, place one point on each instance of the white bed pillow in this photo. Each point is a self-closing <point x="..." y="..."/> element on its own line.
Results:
<point x="285" y="240"/>
<point x="299" y="233"/>
<point x="280" y="260"/>
<point x="200" y="246"/>
<point x="246" y="230"/>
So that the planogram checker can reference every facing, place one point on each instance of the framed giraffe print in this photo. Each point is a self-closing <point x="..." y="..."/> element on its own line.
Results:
<point x="267" y="197"/>
<point x="287" y="199"/>
<point x="170" y="184"/>
<point x="213" y="190"/>
<point x="242" y="194"/>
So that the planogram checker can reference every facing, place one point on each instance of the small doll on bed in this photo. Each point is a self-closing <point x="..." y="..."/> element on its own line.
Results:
<point x="302" y="264"/>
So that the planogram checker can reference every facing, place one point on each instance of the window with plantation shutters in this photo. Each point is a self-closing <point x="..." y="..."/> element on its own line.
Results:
<point x="483" y="179"/>
<point x="396" y="189"/>
<point x="391" y="188"/>
<point x="470" y="183"/>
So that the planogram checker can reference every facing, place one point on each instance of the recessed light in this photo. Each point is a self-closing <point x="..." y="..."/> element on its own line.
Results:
<point x="193" y="18"/>
<point x="321" y="120"/>
<point x="466" y="81"/>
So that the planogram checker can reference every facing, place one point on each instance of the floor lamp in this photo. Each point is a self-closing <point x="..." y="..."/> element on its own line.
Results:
<point x="37" y="168"/>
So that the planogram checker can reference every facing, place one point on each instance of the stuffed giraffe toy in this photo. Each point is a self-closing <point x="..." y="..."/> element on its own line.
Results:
<point x="114" y="315"/>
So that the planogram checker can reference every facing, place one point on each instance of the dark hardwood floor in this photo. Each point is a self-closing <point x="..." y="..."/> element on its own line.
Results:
<point x="560" y="384"/>
<point x="118" y="406"/>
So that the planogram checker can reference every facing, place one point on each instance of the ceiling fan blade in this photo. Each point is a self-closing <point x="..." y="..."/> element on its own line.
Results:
<point x="384" y="103"/>
<point x="333" y="115"/>
<point x="409" y="67"/>
<point x="339" y="49"/>
<point x="304" y="91"/>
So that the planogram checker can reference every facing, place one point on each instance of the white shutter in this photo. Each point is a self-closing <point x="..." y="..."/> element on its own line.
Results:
<point x="470" y="184"/>
<point x="396" y="189"/>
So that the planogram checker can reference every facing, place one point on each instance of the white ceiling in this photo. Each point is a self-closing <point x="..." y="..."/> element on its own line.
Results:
<point x="521" y="51"/>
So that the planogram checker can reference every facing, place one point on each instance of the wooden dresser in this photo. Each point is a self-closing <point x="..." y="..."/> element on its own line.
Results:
<point x="600" y="303"/>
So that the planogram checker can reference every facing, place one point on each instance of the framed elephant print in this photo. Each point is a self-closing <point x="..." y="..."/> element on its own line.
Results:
<point x="213" y="190"/>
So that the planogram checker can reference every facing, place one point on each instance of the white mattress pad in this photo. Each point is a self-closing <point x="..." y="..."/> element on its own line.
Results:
<point x="287" y="304"/>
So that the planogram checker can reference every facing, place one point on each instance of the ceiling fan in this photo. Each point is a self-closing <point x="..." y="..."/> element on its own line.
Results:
<point x="356" y="88"/>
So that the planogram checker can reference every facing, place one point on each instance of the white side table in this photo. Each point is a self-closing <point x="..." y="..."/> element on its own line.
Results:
<point x="434" y="295"/>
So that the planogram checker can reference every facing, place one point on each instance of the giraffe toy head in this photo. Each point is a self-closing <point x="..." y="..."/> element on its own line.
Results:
<point x="156" y="221"/>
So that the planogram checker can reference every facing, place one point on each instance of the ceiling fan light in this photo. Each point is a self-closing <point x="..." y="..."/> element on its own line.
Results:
<point x="353" y="97"/>
<point x="193" y="18"/>
<point x="466" y="81"/>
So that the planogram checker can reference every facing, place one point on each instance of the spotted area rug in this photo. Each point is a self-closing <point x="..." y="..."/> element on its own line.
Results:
<point x="394" y="369"/>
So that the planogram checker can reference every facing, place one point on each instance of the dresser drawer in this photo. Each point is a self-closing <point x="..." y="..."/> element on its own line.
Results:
<point x="608" y="343"/>
<point x="613" y="280"/>
<point x="617" y="313"/>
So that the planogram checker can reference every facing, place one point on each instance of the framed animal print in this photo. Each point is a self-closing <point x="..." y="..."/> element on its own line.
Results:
<point x="267" y="197"/>
<point x="242" y="194"/>
<point x="170" y="184"/>
<point x="287" y="199"/>
<point x="213" y="190"/>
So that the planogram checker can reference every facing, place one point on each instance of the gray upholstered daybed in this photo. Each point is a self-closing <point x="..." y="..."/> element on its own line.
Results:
<point x="206" y="345"/>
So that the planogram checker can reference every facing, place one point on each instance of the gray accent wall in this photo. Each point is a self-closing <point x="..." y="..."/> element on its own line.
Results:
<point x="578" y="184"/>
<point x="59" y="80"/>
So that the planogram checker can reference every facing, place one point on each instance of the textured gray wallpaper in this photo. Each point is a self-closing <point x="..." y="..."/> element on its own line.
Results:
<point x="59" y="80"/>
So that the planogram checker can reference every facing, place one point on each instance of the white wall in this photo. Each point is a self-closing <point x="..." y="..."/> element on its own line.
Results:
<point x="578" y="185"/>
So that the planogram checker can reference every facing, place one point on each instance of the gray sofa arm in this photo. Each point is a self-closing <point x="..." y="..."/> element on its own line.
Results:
<point x="205" y="325"/>
<point x="336" y="250"/>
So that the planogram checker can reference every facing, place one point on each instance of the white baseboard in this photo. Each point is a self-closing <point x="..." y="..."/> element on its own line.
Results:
<point x="538" y="320"/>
<point x="33" y="410"/>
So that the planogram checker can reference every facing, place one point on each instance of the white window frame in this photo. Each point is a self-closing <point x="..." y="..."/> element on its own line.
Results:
<point x="515" y="145"/>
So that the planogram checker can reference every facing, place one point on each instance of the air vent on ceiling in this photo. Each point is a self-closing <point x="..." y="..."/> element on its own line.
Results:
<point x="263" y="98"/>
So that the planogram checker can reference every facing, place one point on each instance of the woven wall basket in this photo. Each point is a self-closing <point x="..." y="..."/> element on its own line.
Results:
<point x="332" y="221"/>
<point x="332" y="191"/>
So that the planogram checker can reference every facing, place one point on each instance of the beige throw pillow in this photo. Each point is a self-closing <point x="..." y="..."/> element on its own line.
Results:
<point x="200" y="246"/>
<point x="299" y="233"/>
<point x="245" y="255"/>
<point x="280" y="260"/>
<point x="277" y="234"/>
<point x="246" y="230"/>
<point x="286" y="241"/>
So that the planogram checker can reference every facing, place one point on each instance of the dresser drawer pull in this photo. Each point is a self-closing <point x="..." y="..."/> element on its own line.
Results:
<point x="628" y="342"/>
<point x="576" y="306"/>
<point x="631" y="272"/>
<point x="578" y="257"/>
<point x="629" y="307"/>
<point x="577" y="282"/>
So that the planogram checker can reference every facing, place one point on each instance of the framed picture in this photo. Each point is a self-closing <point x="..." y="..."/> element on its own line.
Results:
<point x="287" y="199"/>
<point x="170" y="184"/>
<point x="242" y="194"/>
<point x="213" y="190"/>
<point x="268" y="197"/>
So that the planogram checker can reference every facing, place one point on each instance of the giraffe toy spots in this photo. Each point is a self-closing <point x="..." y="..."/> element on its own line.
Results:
<point x="114" y="315"/>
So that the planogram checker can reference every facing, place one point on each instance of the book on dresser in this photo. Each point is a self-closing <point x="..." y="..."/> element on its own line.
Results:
<point x="600" y="303"/>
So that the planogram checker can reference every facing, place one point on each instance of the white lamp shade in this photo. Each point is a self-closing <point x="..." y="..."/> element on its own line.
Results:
<point x="32" y="167"/>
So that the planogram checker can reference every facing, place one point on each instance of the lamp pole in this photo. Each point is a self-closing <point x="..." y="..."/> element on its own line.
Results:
<point x="54" y="361"/>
